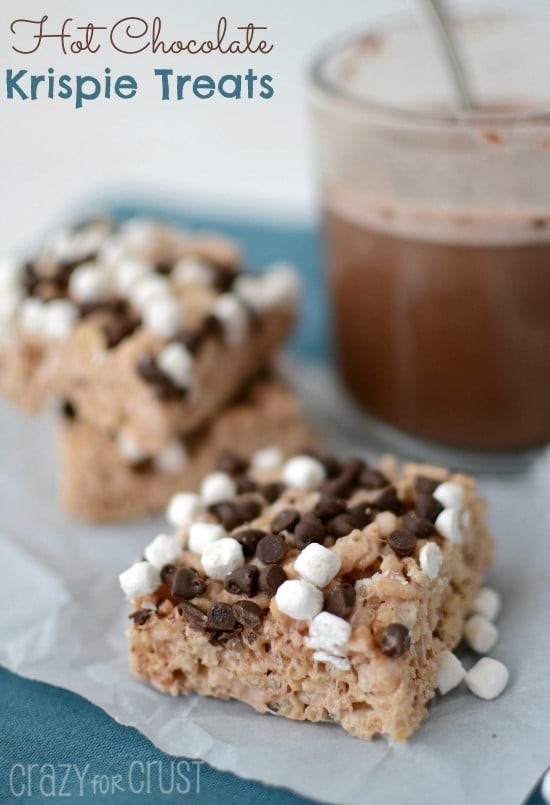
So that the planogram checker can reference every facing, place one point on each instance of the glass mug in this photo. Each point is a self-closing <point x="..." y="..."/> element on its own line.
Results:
<point x="437" y="228"/>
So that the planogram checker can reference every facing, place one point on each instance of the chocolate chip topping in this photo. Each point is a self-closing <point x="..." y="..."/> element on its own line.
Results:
<point x="220" y="617"/>
<point x="428" y="507"/>
<point x="271" y="549"/>
<point x="119" y="328"/>
<point x="224" y="277"/>
<point x="309" y="529"/>
<point x="271" y="578"/>
<point x="248" y="508"/>
<point x="285" y="521"/>
<point x="186" y="583"/>
<point x="249" y="538"/>
<point x="340" y="526"/>
<point x="247" y="613"/>
<point x="192" y="340"/>
<point x="418" y="525"/>
<point x="389" y="501"/>
<point x="402" y="542"/>
<point x="193" y="614"/>
<point x="372" y="479"/>
<point x="245" y="484"/>
<point x="360" y="515"/>
<point x="328" y="507"/>
<point x="167" y="574"/>
<point x="272" y="491"/>
<point x="243" y="581"/>
<point x="68" y="410"/>
<point x="340" y="600"/>
<point x="164" y="267"/>
<point x="231" y="463"/>
<point x="395" y="640"/>
<point x="163" y="387"/>
<point x="140" y="616"/>
<point x="227" y="514"/>
<point x="344" y="483"/>
<point x="424" y="485"/>
<point x="331" y="464"/>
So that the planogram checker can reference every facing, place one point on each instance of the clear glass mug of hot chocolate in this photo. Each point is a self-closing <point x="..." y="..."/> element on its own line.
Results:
<point x="437" y="227"/>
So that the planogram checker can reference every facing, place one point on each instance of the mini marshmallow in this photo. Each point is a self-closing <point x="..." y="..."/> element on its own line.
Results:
<point x="303" y="472"/>
<point x="172" y="458"/>
<point x="163" y="550"/>
<point x="329" y="633"/>
<point x="233" y="317"/>
<point x="183" y="508"/>
<point x="129" y="449"/>
<point x="299" y="599"/>
<point x="487" y="603"/>
<point x="217" y="486"/>
<point x="163" y="316"/>
<point x="88" y="283"/>
<point x="448" y="524"/>
<point x="279" y="285"/>
<point x="177" y="363"/>
<point x="488" y="678"/>
<point x="267" y="459"/>
<point x="32" y="316"/>
<point x="148" y="287"/>
<point x="450" y="672"/>
<point x="449" y="494"/>
<point x="480" y="634"/>
<point x="139" y="232"/>
<point x="203" y="534"/>
<point x="342" y="663"/>
<point x="317" y="564"/>
<point x="10" y="299"/>
<point x="127" y="273"/>
<point x="430" y="558"/>
<point x="60" y="316"/>
<point x="193" y="271"/>
<point x="140" y="579"/>
<point x="222" y="557"/>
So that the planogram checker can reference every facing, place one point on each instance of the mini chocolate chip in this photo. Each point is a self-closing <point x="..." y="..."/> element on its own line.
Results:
<point x="225" y="276"/>
<point x="395" y="640"/>
<point x="167" y="574"/>
<point x="329" y="507"/>
<point x="116" y="307"/>
<point x="68" y="410"/>
<point x="249" y="538"/>
<point x="309" y="529"/>
<point x="340" y="526"/>
<point x="194" y="615"/>
<point x="140" y="616"/>
<point x="271" y="549"/>
<point x="330" y="463"/>
<point x="360" y="515"/>
<point x="190" y="339"/>
<point x="247" y="508"/>
<point x="372" y="479"/>
<point x="389" y="501"/>
<point x="30" y="279"/>
<point x="164" y="267"/>
<point x="271" y="578"/>
<point x="220" y="617"/>
<point x="245" y="484"/>
<point x="418" y="525"/>
<point x="231" y="463"/>
<point x="402" y="542"/>
<point x="285" y="521"/>
<point x="353" y="467"/>
<point x="424" y="485"/>
<point x="186" y="583"/>
<point x="272" y="491"/>
<point x="247" y="613"/>
<point x="142" y="467"/>
<point x="120" y="328"/>
<point x="148" y="370"/>
<point x="243" y="581"/>
<point x="340" y="600"/>
<point x="227" y="514"/>
<point x="329" y="541"/>
<point x="428" y="507"/>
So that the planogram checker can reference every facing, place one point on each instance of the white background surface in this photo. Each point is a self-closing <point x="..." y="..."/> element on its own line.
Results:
<point x="251" y="156"/>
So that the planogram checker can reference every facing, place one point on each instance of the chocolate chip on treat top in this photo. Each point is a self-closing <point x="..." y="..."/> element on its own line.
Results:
<point x="227" y="514"/>
<point x="140" y="616"/>
<point x="395" y="640"/>
<point x="245" y="484"/>
<point x="402" y="542"/>
<point x="249" y="538"/>
<point x="193" y="615"/>
<point x="331" y="465"/>
<point x="329" y="506"/>
<point x="247" y="613"/>
<point x="247" y="508"/>
<point x="167" y="574"/>
<point x="424" y="485"/>
<point x="272" y="491"/>
<point x="231" y="463"/>
<point x="360" y="515"/>
<point x="271" y="578"/>
<point x="428" y="507"/>
<point x="389" y="501"/>
<point x="243" y="581"/>
<point x="68" y="410"/>
<point x="119" y="328"/>
<point x="220" y="617"/>
<point x="286" y="520"/>
<point x="309" y="529"/>
<point x="418" y="525"/>
<point x="372" y="479"/>
<point x="186" y="583"/>
<point x="340" y="600"/>
<point x="271" y="549"/>
<point x="340" y="526"/>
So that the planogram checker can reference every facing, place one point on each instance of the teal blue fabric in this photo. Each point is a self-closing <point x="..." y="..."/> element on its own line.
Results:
<point x="41" y="724"/>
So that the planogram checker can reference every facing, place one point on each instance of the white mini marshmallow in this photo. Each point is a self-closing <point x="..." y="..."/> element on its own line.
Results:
<point x="32" y="316"/>
<point x="448" y="524"/>
<point x="163" y="316"/>
<point x="88" y="283"/>
<point x="163" y="550"/>
<point x="127" y="272"/>
<point x="140" y="579"/>
<point x="193" y="271"/>
<point x="431" y="558"/>
<point x="342" y="663"/>
<point x="450" y="672"/>
<point x="10" y="300"/>
<point x="139" y="232"/>
<point x="269" y="458"/>
<point x="487" y="603"/>
<point x="488" y="678"/>
<point x="303" y="472"/>
<point x="203" y="534"/>
<point x="222" y="557"/>
<point x="233" y="316"/>
<point x="317" y="564"/>
<point x="177" y="363"/>
<point x="329" y="633"/>
<point x="480" y="634"/>
<point x="172" y="458"/>
<point x="278" y="286"/>
<point x="449" y="494"/>
<point x="148" y="287"/>
<point x="129" y="449"/>
<point x="217" y="486"/>
<point x="60" y="316"/>
<point x="299" y="599"/>
<point x="184" y="508"/>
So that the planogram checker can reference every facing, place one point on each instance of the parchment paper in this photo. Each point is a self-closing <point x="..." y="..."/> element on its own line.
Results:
<point x="63" y="621"/>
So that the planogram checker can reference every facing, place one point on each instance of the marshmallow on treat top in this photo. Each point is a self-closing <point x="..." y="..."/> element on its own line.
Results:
<point x="139" y="580"/>
<point x="303" y="472"/>
<point x="299" y="599"/>
<point x="184" y="508"/>
<point x="317" y="564"/>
